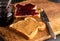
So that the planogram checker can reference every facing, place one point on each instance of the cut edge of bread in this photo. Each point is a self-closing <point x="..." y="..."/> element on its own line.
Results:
<point x="42" y="28"/>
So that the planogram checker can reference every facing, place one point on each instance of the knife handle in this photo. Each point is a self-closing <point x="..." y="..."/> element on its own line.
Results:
<point x="44" y="16"/>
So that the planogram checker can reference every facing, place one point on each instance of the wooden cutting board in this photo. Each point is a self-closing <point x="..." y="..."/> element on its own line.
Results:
<point x="53" y="11"/>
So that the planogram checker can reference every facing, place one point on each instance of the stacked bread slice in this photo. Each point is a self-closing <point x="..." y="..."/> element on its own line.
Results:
<point x="28" y="27"/>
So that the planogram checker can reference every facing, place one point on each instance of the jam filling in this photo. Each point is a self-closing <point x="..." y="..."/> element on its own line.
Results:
<point x="25" y="10"/>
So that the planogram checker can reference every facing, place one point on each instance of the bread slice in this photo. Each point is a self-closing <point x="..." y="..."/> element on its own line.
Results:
<point x="28" y="27"/>
<point x="35" y="16"/>
<point x="42" y="26"/>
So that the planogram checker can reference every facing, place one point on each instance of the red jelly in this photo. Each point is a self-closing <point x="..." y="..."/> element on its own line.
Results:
<point x="19" y="6"/>
<point x="25" y="10"/>
<point x="29" y="6"/>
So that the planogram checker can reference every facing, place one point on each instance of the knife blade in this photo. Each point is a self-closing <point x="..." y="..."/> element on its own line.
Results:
<point x="48" y="24"/>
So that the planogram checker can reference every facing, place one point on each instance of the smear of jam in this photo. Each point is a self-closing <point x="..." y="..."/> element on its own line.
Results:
<point x="25" y="10"/>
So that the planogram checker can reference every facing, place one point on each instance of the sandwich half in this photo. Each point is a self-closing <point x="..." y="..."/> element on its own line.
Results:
<point x="28" y="27"/>
<point x="27" y="10"/>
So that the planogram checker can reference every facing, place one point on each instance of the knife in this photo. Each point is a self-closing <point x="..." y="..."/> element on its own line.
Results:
<point x="49" y="26"/>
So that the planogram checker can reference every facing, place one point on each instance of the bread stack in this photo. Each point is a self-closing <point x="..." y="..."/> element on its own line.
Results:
<point x="28" y="27"/>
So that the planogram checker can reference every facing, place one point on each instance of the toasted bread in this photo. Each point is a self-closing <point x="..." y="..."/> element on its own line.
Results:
<point x="35" y="16"/>
<point x="28" y="27"/>
<point x="42" y="26"/>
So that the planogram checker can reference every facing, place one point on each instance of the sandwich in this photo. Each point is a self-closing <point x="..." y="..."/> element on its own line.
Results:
<point x="27" y="10"/>
<point x="27" y="27"/>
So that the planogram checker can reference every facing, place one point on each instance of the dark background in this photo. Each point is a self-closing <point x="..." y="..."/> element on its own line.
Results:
<point x="13" y="1"/>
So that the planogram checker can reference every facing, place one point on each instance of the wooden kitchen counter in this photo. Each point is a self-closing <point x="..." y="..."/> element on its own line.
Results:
<point x="53" y="11"/>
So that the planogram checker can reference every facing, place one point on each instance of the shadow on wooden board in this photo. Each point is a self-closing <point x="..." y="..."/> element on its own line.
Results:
<point x="55" y="1"/>
<point x="51" y="39"/>
<point x="15" y="1"/>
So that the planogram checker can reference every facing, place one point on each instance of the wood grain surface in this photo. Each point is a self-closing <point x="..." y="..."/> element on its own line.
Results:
<point x="52" y="9"/>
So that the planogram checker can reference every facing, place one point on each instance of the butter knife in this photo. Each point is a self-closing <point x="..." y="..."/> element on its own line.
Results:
<point x="48" y="24"/>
